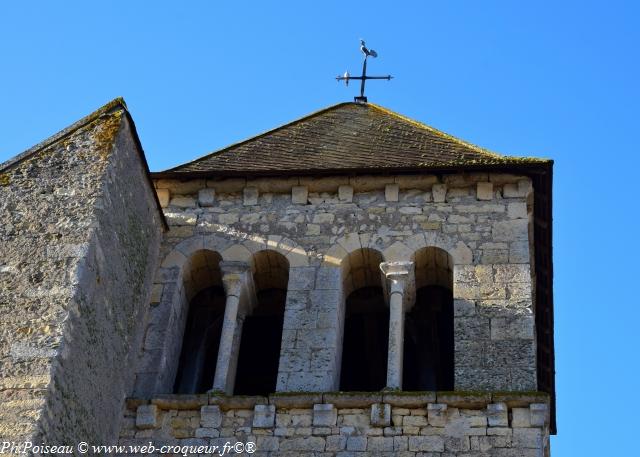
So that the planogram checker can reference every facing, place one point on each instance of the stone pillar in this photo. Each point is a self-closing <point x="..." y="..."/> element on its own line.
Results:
<point x="400" y="275"/>
<point x="238" y="285"/>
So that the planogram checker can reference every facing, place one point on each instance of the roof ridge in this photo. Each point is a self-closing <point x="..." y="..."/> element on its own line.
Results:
<point x="440" y="133"/>
<point x="116" y="104"/>
<point x="259" y="135"/>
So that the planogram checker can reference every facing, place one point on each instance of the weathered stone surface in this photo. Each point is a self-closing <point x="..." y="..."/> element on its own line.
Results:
<point x="250" y="196"/>
<point x="324" y="414"/>
<point x="439" y="192"/>
<point x="497" y="415"/>
<point x="147" y="416"/>
<point x="409" y="399"/>
<point x="206" y="197"/>
<point x="210" y="416"/>
<point x="380" y="414"/>
<point x="391" y="192"/>
<point x="79" y="245"/>
<point x="345" y="194"/>
<point x="164" y="195"/>
<point x="264" y="416"/>
<point x="484" y="191"/>
<point x="299" y="195"/>
<point x="521" y="417"/>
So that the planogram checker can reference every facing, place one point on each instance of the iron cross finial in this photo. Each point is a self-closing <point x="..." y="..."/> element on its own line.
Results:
<point x="347" y="77"/>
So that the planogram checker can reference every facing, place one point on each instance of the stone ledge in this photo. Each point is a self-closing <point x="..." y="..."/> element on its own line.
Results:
<point x="293" y="400"/>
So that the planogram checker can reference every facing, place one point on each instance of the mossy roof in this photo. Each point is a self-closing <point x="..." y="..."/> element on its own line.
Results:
<point x="347" y="137"/>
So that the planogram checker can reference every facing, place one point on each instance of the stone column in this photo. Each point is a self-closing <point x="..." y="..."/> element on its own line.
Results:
<point x="400" y="275"/>
<point x="238" y="285"/>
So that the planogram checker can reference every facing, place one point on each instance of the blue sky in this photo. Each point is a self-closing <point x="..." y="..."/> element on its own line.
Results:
<point x="551" y="79"/>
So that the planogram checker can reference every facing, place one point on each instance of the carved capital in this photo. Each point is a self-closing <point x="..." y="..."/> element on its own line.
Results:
<point x="235" y="276"/>
<point x="402" y="278"/>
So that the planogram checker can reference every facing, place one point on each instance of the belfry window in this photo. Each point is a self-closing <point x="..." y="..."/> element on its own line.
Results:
<point x="366" y="324"/>
<point x="203" y="287"/>
<point x="259" y="356"/>
<point x="428" y="338"/>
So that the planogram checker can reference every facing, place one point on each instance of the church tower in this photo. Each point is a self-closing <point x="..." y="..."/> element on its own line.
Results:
<point x="351" y="283"/>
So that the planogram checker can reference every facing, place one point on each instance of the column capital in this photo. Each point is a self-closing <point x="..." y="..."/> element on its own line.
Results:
<point x="235" y="276"/>
<point x="399" y="270"/>
<point x="401" y="274"/>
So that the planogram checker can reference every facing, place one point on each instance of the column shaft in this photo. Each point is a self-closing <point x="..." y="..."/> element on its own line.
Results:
<point x="396" y="336"/>
<point x="224" y="378"/>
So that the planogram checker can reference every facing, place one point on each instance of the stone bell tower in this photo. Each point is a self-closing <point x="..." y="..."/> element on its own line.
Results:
<point x="352" y="283"/>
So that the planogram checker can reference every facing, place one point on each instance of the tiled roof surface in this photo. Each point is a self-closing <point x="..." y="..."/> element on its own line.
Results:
<point x="347" y="136"/>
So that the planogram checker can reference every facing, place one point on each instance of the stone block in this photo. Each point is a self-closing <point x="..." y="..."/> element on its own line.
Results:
<point x="437" y="414"/>
<point x="391" y="192"/>
<point x="484" y="191"/>
<point x="517" y="210"/>
<point x="497" y="415"/>
<point x="164" y="195"/>
<point x="206" y="197"/>
<point x="527" y="438"/>
<point x="510" y="190"/>
<point x="183" y="201"/>
<point x="432" y="443"/>
<point x="250" y="196"/>
<point x="439" y="192"/>
<point x="512" y="230"/>
<point x="207" y="433"/>
<point x="336" y="443"/>
<point x="521" y="417"/>
<point x="380" y="444"/>
<point x="345" y="194"/>
<point x="299" y="195"/>
<point x="324" y="414"/>
<point x="210" y="416"/>
<point x="302" y="278"/>
<point x="307" y="443"/>
<point x="264" y="416"/>
<point x="539" y="414"/>
<point x="357" y="443"/>
<point x="267" y="443"/>
<point x="381" y="415"/>
<point x="147" y="417"/>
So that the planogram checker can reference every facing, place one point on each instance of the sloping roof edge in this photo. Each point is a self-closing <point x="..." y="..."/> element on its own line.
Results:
<point x="490" y="157"/>
<point x="117" y="104"/>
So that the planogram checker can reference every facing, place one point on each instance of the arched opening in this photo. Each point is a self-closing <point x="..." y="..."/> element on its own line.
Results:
<point x="206" y="297"/>
<point x="259" y="355"/>
<point x="428" y="340"/>
<point x="366" y="324"/>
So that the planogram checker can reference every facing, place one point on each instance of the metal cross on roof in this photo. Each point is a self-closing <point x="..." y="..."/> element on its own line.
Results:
<point x="363" y="79"/>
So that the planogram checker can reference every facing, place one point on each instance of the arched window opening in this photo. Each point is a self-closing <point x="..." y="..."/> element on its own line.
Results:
<point x="259" y="355"/>
<point x="428" y="341"/>
<point x="366" y="325"/>
<point x="204" y="291"/>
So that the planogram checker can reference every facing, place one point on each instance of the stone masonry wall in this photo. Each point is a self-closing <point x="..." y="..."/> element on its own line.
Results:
<point x="482" y="220"/>
<point x="343" y="425"/>
<point x="79" y="243"/>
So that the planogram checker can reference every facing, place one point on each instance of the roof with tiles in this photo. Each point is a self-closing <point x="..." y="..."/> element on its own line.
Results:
<point x="343" y="137"/>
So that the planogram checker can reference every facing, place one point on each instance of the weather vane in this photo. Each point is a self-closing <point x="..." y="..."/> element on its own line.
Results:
<point x="363" y="79"/>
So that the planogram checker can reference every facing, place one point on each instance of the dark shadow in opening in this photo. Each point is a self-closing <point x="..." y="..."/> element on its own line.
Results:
<point x="428" y="341"/>
<point x="201" y="341"/>
<point x="259" y="356"/>
<point x="366" y="341"/>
